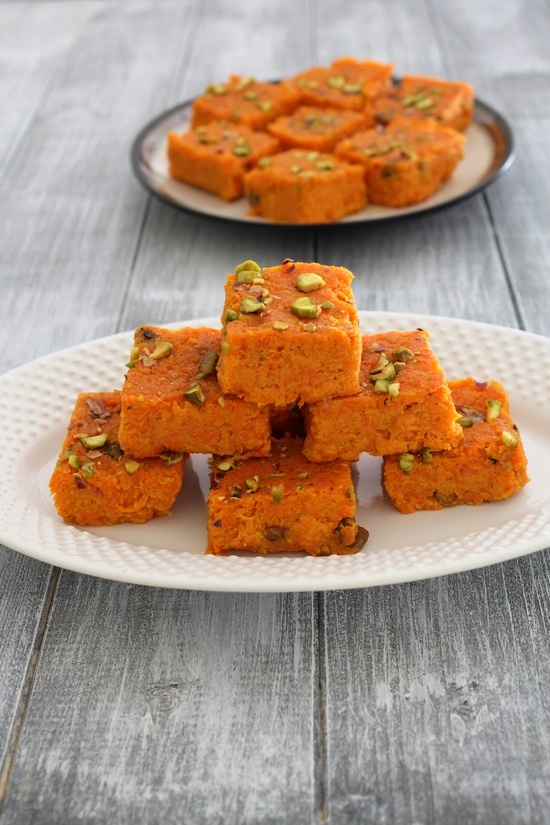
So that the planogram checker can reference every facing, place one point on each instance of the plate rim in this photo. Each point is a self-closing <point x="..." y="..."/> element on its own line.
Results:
<point x="508" y="156"/>
<point x="244" y="582"/>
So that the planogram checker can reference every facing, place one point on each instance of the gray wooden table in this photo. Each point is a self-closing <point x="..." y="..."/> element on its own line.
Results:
<point x="419" y="703"/>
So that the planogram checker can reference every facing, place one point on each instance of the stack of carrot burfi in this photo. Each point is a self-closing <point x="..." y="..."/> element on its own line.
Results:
<point x="323" y="144"/>
<point x="283" y="398"/>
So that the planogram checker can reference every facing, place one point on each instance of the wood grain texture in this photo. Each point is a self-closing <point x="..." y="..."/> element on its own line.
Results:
<point x="169" y="706"/>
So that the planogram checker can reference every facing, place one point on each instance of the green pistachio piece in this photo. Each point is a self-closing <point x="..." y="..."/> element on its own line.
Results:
<point x="241" y="151"/>
<point x="493" y="410"/>
<point x="88" y="471"/>
<point x="309" y="327"/>
<point x="383" y="362"/>
<point x="393" y="389"/>
<point x="352" y="88"/>
<point x="312" y="155"/>
<point x="336" y="81"/>
<point x="279" y="325"/>
<point x="231" y="315"/>
<point x="425" y="103"/>
<point x="134" y="353"/>
<point x="131" y="466"/>
<point x="196" y="395"/>
<point x="266" y="105"/>
<point x="226" y="347"/>
<point x="175" y="458"/>
<point x="249" y="265"/>
<point x="250" y="305"/>
<point x="263" y="163"/>
<point x="327" y="305"/>
<point x="217" y="89"/>
<point x="388" y="373"/>
<point x="325" y="165"/>
<point x="278" y="492"/>
<point x="208" y="363"/>
<point x="247" y="276"/>
<point x="426" y="456"/>
<point x="380" y="385"/>
<point x="507" y="438"/>
<point x="406" y="462"/>
<point x="464" y="421"/>
<point x="304" y="308"/>
<point x="162" y="349"/>
<point x="309" y="281"/>
<point x="224" y="465"/>
<point x="243" y="83"/>
<point x="252" y="484"/>
<point x="93" y="442"/>
<point x="251" y="95"/>
<point x="130" y="365"/>
<point x="402" y="354"/>
<point x="74" y="462"/>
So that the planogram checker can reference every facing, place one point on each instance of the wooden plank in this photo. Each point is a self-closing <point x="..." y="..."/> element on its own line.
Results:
<point x="159" y="706"/>
<point x="509" y="62"/>
<point x="438" y="710"/>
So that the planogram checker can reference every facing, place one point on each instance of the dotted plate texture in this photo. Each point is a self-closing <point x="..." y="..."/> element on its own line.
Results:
<point x="36" y="401"/>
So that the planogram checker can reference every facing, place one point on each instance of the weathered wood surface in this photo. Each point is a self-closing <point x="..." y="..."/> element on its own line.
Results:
<point x="421" y="703"/>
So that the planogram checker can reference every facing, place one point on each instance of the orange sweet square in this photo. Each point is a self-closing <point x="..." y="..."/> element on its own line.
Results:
<point x="244" y="101"/>
<point x="316" y="129"/>
<point x="346" y="84"/>
<point x="449" y="103"/>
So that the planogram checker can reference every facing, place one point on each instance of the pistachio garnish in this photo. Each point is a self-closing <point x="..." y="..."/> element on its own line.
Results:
<point x="250" y="305"/>
<point x="493" y="410"/>
<point x="309" y="327"/>
<point x="464" y="421"/>
<point x="393" y="389"/>
<point x="217" y="89"/>
<point x="224" y="465"/>
<point x="507" y="438"/>
<point x="406" y="462"/>
<point x="221" y="401"/>
<point x="324" y="165"/>
<point x="88" y="470"/>
<point x="352" y="88"/>
<point x="249" y="265"/>
<point x="131" y="466"/>
<point x="134" y="353"/>
<point x="195" y="395"/>
<point x="74" y="462"/>
<point x="388" y="373"/>
<point x="263" y="163"/>
<point x="327" y="305"/>
<point x="426" y="456"/>
<point x="207" y="364"/>
<point x="278" y="492"/>
<point x="381" y="385"/>
<point x="266" y="105"/>
<point x="252" y="484"/>
<point x="402" y="354"/>
<point x="251" y="96"/>
<point x="426" y="103"/>
<point x="247" y="276"/>
<point x="243" y="83"/>
<point x="312" y="155"/>
<point x="304" y="308"/>
<point x="231" y="315"/>
<point x="226" y="347"/>
<point x="383" y="362"/>
<point x="162" y="349"/>
<point x="337" y="81"/>
<point x="175" y="458"/>
<point x="92" y="442"/>
<point x="309" y="281"/>
<point x="241" y="151"/>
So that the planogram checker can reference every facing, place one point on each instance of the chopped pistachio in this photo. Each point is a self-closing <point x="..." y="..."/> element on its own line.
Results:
<point x="175" y="458"/>
<point x="279" y="325"/>
<point x="74" y="462"/>
<point x="309" y="281"/>
<point x="195" y="395"/>
<point x="226" y="347"/>
<point x="426" y="456"/>
<point x="304" y="474"/>
<point x="252" y="484"/>
<point x="131" y="466"/>
<point x="258" y="280"/>
<point x="324" y="165"/>
<point x="388" y="373"/>
<point x="309" y="327"/>
<point x="243" y="83"/>
<point x="350" y="493"/>
<point x="263" y="163"/>
<point x="217" y="89"/>
<point x="312" y="155"/>
<point x="380" y="385"/>
<point x="393" y="389"/>
<point x="208" y="363"/>
<point x="231" y="315"/>
<point x="337" y="81"/>
<point x="241" y="151"/>
<point x="251" y="304"/>
<point x="406" y="462"/>
<point x="304" y="307"/>
<point x="507" y="438"/>
<point x="278" y="492"/>
<point x="224" y="465"/>
<point x="383" y="362"/>
<point x="352" y="88"/>
<point x="249" y="265"/>
<point x="221" y="401"/>
<point x="134" y="353"/>
<point x="425" y="103"/>
<point x="88" y="471"/>
<point x="130" y="365"/>
<point x="493" y="410"/>
<point x="266" y="105"/>
<point x="92" y="442"/>
<point x="327" y="305"/>
<point x="464" y="421"/>
<point x="399" y="365"/>
<point x="295" y="170"/>
<point x="162" y="350"/>
<point x="402" y="354"/>
<point x="246" y="276"/>
<point x="251" y="96"/>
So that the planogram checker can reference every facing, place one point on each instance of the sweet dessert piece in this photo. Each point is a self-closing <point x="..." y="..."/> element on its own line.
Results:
<point x="216" y="156"/>
<point x="171" y="399"/>
<point x="298" y="186"/>
<point x="421" y="98"/>
<point x="283" y="503"/>
<point x="404" y="404"/>
<point x="406" y="162"/>
<point x="316" y="129"/>
<point x="291" y="332"/>
<point x="246" y="101"/>
<point x="95" y="483"/>
<point x="489" y="465"/>
<point x="346" y="84"/>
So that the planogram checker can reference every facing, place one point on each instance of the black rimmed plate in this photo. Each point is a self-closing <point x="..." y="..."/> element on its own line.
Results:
<point x="489" y="152"/>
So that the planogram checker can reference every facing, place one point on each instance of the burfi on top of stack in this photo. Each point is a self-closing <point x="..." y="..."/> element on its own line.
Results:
<point x="309" y="127"/>
<point x="420" y="98"/>
<point x="489" y="465"/>
<point x="216" y="156"/>
<point x="291" y="332"/>
<point x="283" y="503"/>
<point x="246" y="101"/>
<point x="404" y="404"/>
<point x="171" y="399"/>
<point x="346" y="84"/>
<point x="96" y="483"/>
<point x="299" y="186"/>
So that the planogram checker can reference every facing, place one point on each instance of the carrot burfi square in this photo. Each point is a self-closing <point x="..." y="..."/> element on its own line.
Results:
<point x="298" y="186"/>
<point x="489" y="465"/>
<point x="244" y="101"/>
<point x="283" y="504"/>
<point x="449" y="103"/>
<point x="346" y="84"/>
<point x="404" y="400"/>
<point x="291" y="332"/>
<point x="316" y="129"/>
<point x="404" y="163"/>
<point x="171" y="399"/>
<point x="216" y="156"/>
<point x="96" y="483"/>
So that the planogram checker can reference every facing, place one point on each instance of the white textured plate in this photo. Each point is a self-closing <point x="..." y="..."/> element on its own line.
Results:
<point x="36" y="401"/>
<point x="488" y="153"/>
